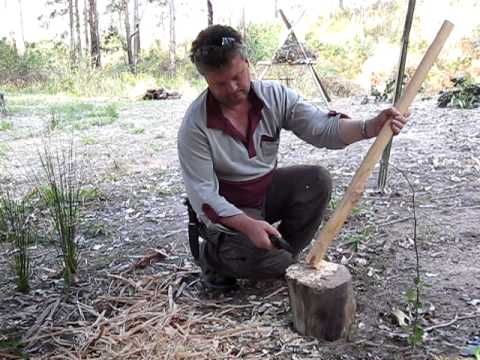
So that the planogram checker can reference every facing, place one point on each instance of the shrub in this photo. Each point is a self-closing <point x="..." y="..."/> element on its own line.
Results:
<point x="262" y="40"/>
<point x="39" y="62"/>
<point x="464" y="95"/>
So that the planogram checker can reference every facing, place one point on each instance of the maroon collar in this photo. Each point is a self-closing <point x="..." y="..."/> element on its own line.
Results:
<point x="216" y="120"/>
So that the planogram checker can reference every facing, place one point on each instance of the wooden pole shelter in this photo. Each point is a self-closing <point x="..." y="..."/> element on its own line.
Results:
<point x="270" y="63"/>
<point x="383" y="172"/>
<point x="321" y="293"/>
<point x="316" y="78"/>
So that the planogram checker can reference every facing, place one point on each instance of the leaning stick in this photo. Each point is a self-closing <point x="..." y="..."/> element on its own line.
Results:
<point x="359" y="181"/>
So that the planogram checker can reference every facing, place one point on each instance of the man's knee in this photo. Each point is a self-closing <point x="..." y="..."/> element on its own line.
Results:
<point x="319" y="179"/>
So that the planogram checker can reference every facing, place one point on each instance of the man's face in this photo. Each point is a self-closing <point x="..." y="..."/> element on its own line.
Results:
<point x="230" y="85"/>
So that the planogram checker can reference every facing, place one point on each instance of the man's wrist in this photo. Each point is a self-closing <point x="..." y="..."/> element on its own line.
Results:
<point x="241" y="222"/>
<point x="363" y="129"/>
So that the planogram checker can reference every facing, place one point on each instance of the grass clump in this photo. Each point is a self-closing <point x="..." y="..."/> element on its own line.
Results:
<point x="16" y="230"/>
<point x="62" y="194"/>
<point x="3" y="150"/>
<point x="5" y="125"/>
<point x="89" y="140"/>
<point x="137" y="131"/>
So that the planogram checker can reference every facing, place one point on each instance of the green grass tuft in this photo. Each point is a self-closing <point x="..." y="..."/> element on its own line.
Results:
<point x="80" y="115"/>
<point x="137" y="131"/>
<point x="89" y="140"/>
<point x="5" y="125"/>
<point x="3" y="150"/>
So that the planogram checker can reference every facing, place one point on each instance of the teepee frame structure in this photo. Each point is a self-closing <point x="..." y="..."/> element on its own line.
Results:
<point x="307" y="61"/>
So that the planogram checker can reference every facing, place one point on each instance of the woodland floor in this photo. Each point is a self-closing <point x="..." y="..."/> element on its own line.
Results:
<point x="116" y="310"/>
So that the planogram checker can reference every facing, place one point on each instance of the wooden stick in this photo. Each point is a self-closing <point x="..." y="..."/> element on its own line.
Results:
<point x="359" y="181"/>
<point x="383" y="172"/>
<point x="454" y="320"/>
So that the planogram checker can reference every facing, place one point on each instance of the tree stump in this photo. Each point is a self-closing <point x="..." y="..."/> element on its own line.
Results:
<point x="322" y="300"/>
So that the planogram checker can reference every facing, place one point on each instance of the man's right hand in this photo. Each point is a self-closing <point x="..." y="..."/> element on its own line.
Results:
<point x="257" y="231"/>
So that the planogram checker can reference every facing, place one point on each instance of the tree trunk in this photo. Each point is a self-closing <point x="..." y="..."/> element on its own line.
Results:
<point x="85" y="25"/>
<point x="97" y="30"/>
<point x="340" y="4"/>
<point x="172" y="48"/>
<point x="210" y="12"/>
<point x="21" y="40"/>
<point x="136" y="27"/>
<point x="244" y="25"/>
<point x="77" y="27"/>
<point x="72" y="33"/>
<point x="128" y="35"/>
<point x="94" y="34"/>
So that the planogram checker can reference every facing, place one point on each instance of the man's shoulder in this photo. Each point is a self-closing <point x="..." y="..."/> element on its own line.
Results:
<point x="196" y="112"/>
<point x="267" y="86"/>
<point x="194" y="119"/>
<point x="269" y="90"/>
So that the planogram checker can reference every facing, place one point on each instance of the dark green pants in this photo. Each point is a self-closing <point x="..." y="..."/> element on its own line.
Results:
<point x="296" y="198"/>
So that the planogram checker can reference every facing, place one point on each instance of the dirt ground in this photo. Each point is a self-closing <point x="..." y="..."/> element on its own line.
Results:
<point x="118" y="311"/>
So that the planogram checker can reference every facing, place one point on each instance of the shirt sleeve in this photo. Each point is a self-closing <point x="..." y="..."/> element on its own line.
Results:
<point x="309" y="123"/>
<point x="199" y="177"/>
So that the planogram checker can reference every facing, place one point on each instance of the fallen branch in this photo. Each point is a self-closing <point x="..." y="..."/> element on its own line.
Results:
<point x="47" y="312"/>
<point x="94" y="339"/>
<point x="283" y="288"/>
<point x="451" y="322"/>
<point x="151" y="257"/>
<point x="9" y="356"/>
<point x="388" y="223"/>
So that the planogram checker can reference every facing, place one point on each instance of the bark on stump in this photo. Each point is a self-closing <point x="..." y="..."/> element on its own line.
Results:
<point x="322" y="300"/>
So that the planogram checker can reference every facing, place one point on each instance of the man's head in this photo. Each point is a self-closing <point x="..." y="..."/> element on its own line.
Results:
<point x="221" y="57"/>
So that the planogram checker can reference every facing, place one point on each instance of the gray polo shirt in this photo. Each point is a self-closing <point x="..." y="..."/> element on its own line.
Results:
<point x="218" y="165"/>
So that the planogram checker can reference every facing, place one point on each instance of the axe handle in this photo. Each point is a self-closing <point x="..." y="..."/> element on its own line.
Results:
<point x="359" y="181"/>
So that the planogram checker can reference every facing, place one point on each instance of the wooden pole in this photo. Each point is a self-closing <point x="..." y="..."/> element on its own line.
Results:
<point x="359" y="181"/>
<point x="383" y="172"/>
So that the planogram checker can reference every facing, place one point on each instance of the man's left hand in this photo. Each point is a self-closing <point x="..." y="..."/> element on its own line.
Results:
<point x="392" y="115"/>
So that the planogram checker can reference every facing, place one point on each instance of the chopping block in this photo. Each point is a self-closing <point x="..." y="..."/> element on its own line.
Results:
<point x="321" y="293"/>
<point x="322" y="301"/>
